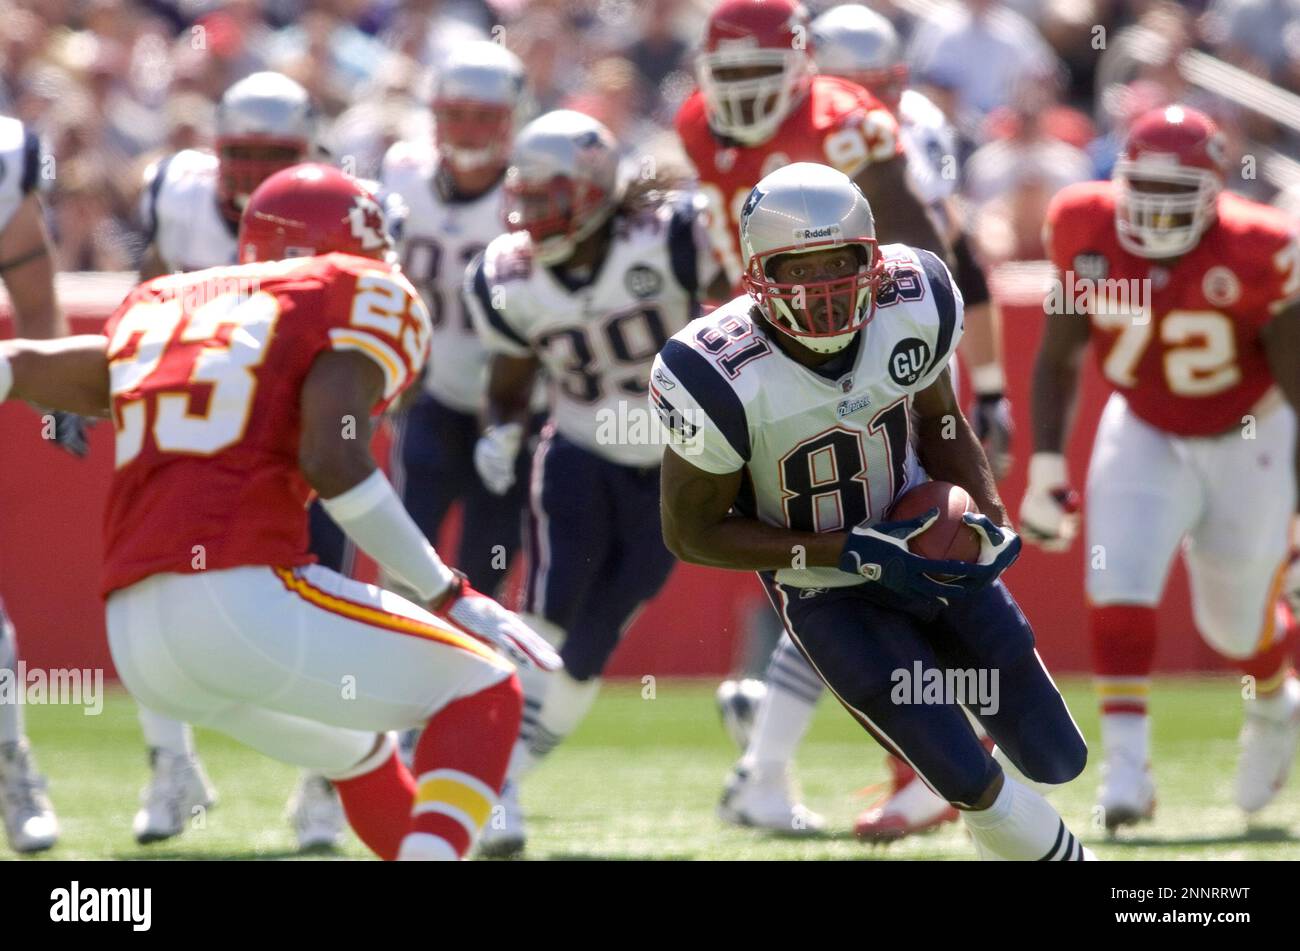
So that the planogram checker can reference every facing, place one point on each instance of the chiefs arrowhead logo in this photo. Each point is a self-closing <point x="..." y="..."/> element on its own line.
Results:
<point x="366" y="219"/>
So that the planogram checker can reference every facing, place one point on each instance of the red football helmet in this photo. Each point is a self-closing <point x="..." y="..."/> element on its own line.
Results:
<point x="312" y="209"/>
<point x="1168" y="181"/>
<point x="755" y="66"/>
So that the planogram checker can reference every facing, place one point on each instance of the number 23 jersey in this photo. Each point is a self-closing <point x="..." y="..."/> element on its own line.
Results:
<point x="206" y="372"/>
<point x="820" y="454"/>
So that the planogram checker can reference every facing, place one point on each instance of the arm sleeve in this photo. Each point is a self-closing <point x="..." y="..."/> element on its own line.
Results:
<point x="482" y="298"/>
<point x="705" y="419"/>
<point x="948" y="304"/>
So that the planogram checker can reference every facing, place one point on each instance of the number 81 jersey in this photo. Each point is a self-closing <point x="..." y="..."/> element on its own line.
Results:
<point x="822" y="453"/>
<point x="206" y="372"/>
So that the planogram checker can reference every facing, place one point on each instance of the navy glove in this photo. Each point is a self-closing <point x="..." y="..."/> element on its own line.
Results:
<point x="70" y="432"/>
<point x="880" y="553"/>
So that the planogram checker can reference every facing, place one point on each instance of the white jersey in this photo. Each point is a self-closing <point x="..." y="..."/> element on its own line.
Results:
<point x="20" y="160"/>
<point x="598" y="342"/>
<point x="931" y="146"/>
<point x="440" y="237"/>
<point x="824" y="451"/>
<point x="181" y="217"/>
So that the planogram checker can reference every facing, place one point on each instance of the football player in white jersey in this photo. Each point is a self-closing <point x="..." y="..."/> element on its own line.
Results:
<point x="592" y="279"/>
<point x="855" y="43"/>
<point x="27" y="268"/>
<point x="190" y="207"/>
<point x="800" y="413"/>
<point x="451" y="188"/>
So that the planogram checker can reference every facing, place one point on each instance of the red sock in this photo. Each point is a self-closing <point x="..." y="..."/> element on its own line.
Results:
<point x="460" y="763"/>
<point x="378" y="805"/>
<point x="1123" y="653"/>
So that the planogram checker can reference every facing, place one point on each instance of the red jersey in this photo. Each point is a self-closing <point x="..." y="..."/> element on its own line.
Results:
<point x="1192" y="363"/>
<point x="838" y="123"/>
<point x="206" y="370"/>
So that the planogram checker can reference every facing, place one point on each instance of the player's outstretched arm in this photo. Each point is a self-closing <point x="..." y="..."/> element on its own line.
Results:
<point x="27" y="266"/>
<point x="698" y="528"/>
<point x="949" y="449"/>
<point x="901" y="218"/>
<point x="69" y="374"/>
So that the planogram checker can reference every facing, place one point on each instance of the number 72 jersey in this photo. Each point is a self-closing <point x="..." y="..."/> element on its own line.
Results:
<point x="206" y="371"/>
<point x="820" y="453"/>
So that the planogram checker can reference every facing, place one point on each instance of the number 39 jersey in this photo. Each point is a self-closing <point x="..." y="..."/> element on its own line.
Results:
<point x="441" y="236"/>
<point x="820" y="454"/>
<point x="206" y="371"/>
<point x="838" y="124"/>
<point x="597" y="342"/>
<point x="1192" y="363"/>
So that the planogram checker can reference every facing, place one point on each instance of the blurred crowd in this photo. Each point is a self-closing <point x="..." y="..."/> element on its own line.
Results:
<point x="1041" y="91"/>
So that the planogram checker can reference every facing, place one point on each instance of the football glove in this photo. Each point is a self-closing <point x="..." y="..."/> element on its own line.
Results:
<point x="999" y="545"/>
<point x="70" y="432"/>
<point x="484" y="619"/>
<point x="1049" y="511"/>
<point x="880" y="553"/>
<point x="991" y="420"/>
<point x="494" y="456"/>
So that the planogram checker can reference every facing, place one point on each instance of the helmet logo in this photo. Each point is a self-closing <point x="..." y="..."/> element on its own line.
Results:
<point x="367" y="223"/>
<point x="828" y="232"/>
<point x="751" y="203"/>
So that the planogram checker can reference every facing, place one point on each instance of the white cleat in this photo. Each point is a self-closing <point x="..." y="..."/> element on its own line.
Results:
<point x="1128" y="793"/>
<point x="762" y="796"/>
<point x="178" y="791"/>
<point x="1268" y="746"/>
<point x="503" y="837"/>
<point x="316" y="813"/>
<point x="29" y="818"/>
<point x="738" y="703"/>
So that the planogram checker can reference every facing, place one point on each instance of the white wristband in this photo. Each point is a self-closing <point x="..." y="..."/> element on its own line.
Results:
<point x="6" y="377"/>
<point x="1047" y="469"/>
<point x="988" y="378"/>
<point x="374" y="517"/>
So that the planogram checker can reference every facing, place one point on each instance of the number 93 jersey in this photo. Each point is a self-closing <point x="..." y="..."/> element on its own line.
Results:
<point x="441" y="236"/>
<point x="821" y="453"/>
<point x="597" y="343"/>
<point x="206" y="371"/>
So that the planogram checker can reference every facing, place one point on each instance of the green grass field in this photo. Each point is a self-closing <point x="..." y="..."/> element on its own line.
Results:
<point x="640" y="779"/>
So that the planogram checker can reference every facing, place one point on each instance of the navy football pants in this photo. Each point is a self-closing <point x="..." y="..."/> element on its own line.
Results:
<point x="858" y="645"/>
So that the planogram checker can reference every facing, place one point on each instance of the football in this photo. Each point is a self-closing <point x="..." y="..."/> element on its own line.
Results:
<point x="949" y="537"/>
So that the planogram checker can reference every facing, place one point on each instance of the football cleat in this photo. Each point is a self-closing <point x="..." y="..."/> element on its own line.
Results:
<point x="1268" y="746"/>
<point x="763" y="796"/>
<point x="1128" y="793"/>
<point x="29" y="818"/>
<point x="738" y="703"/>
<point x="316" y="813"/>
<point x="177" y="791"/>
<point x="909" y="807"/>
<point x="503" y="836"/>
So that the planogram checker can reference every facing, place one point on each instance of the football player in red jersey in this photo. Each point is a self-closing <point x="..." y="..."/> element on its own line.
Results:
<point x="1191" y="299"/>
<point x="761" y="106"/>
<point x="236" y="393"/>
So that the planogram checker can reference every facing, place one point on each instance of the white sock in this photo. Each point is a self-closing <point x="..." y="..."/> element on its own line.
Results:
<point x="1278" y="704"/>
<point x="164" y="733"/>
<point x="1126" y="736"/>
<point x="423" y="847"/>
<point x="546" y="723"/>
<point x="783" y="717"/>
<point x="1021" y="826"/>
<point x="11" y="714"/>
<point x="1013" y="772"/>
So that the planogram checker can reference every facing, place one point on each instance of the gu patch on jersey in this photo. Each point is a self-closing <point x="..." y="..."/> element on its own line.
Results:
<point x="908" y="361"/>
<point x="643" y="281"/>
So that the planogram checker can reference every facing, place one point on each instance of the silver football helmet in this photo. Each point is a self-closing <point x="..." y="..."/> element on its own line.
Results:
<point x="477" y="98"/>
<point x="562" y="183"/>
<point x="800" y="209"/>
<point x="265" y="122"/>
<point x="857" y="43"/>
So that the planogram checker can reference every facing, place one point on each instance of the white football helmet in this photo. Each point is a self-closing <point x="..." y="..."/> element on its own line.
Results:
<point x="799" y="209"/>
<point x="857" y="43"/>
<point x="477" y="98"/>
<point x="562" y="183"/>
<point x="265" y="123"/>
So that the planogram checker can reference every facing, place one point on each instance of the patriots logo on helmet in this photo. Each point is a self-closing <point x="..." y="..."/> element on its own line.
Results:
<point x="751" y="203"/>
